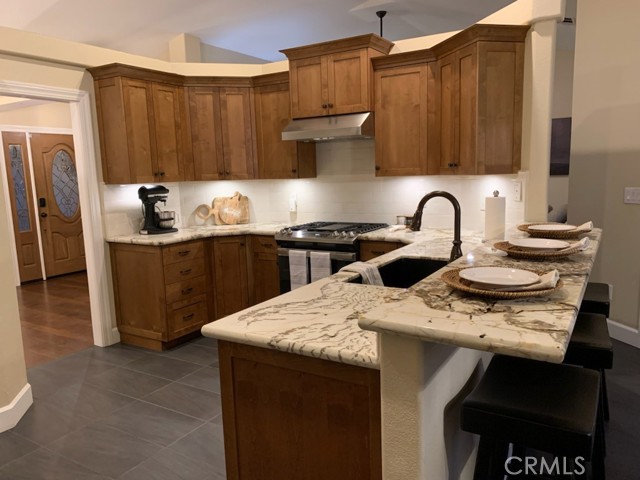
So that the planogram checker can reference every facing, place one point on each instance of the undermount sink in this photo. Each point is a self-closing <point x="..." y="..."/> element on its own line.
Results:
<point x="405" y="272"/>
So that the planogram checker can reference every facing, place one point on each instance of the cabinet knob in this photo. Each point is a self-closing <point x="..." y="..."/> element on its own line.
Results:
<point x="161" y="174"/>
<point x="294" y="170"/>
<point x="220" y="173"/>
<point x="324" y="105"/>
<point x="330" y="105"/>
<point x="377" y="167"/>
<point x="227" y="172"/>
<point x="452" y="165"/>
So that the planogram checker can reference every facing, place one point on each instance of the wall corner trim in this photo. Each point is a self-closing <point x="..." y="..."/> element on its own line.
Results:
<point x="11" y="414"/>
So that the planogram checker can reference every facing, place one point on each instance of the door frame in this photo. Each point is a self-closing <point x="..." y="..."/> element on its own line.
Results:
<point x="97" y="254"/>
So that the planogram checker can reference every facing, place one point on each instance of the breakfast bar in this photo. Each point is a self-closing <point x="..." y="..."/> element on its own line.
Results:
<point x="429" y="342"/>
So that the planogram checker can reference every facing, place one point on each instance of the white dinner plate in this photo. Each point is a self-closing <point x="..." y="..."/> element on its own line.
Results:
<point x="539" y="243"/>
<point x="499" y="276"/>
<point x="552" y="227"/>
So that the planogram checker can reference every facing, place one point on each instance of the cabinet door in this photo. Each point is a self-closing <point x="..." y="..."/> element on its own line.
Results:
<point x="347" y="82"/>
<point x="113" y="129"/>
<point x="500" y="71"/>
<point x="237" y="133"/>
<point x="458" y="83"/>
<point x="138" y="110"/>
<point x="371" y="249"/>
<point x="277" y="158"/>
<point x="206" y="136"/>
<point x="308" y="79"/>
<point x="265" y="278"/>
<point x="168" y="108"/>
<point x="231" y="285"/>
<point x="139" y="290"/>
<point x="401" y="120"/>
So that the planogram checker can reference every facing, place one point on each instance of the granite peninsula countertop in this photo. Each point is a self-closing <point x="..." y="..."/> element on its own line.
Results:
<point x="202" y="231"/>
<point x="338" y="321"/>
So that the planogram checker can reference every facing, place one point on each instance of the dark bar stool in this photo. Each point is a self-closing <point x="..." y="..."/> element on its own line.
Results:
<point x="590" y="345"/>
<point x="530" y="404"/>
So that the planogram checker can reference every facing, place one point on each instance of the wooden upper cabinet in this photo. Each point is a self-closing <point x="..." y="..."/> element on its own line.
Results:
<point x="333" y="78"/>
<point x="206" y="137"/>
<point x="222" y="132"/>
<point x="402" y="96"/>
<point x="479" y="82"/>
<point x="142" y="125"/>
<point x="278" y="158"/>
<point x="236" y="119"/>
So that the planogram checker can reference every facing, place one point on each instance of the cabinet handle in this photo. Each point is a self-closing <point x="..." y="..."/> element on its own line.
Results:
<point x="187" y="317"/>
<point x="378" y="252"/>
<point x="294" y="170"/>
<point x="186" y="291"/>
<point x="324" y="105"/>
<point x="377" y="167"/>
<point x="184" y="253"/>
<point x="185" y="272"/>
<point x="161" y="174"/>
<point x="330" y="105"/>
<point x="221" y="174"/>
<point x="266" y="245"/>
<point x="452" y="165"/>
<point x="242" y="244"/>
<point x="227" y="172"/>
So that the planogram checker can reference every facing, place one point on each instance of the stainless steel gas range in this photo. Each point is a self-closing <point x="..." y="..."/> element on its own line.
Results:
<point x="338" y="241"/>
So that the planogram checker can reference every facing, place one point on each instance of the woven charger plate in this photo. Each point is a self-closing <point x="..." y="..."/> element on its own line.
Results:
<point x="453" y="279"/>
<point x="550" y="233"/>
<point x="529" y="254"/>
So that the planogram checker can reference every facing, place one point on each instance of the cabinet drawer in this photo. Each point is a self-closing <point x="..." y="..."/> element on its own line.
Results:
<point x="177" y="272"/>
<point x="372" y="249"/>
<point x="185" y="289"/>
<point x="182" y="251"/>
<point x="264" y="244"/>
<point x="187" y="319"/>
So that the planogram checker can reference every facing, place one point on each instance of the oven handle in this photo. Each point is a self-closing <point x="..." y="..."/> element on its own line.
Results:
<point x="341" y="256"/>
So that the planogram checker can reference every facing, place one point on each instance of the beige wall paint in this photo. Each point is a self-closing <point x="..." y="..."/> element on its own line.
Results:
<point x="605" y="147"/>
<point x="13" y="374"/>
<point x="48" y="114"/>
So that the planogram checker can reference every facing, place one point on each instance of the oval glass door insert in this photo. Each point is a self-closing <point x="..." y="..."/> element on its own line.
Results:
<point x="65" y="184"/>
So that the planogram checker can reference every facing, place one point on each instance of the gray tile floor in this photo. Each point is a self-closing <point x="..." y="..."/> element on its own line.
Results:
<point x="121" y="413"/>
<point x="126" y="413"/>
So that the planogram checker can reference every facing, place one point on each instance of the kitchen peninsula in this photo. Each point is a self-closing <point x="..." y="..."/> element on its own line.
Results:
<point x="430" y="350"/>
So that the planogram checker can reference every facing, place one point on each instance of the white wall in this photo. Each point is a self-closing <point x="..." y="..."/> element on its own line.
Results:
<point x="605" y="148"/>
<point x="345" y="189"/>
<point x="37" y="114"/>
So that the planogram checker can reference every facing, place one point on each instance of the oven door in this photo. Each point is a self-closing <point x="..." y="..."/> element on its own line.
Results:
<point x="338" y="260"/>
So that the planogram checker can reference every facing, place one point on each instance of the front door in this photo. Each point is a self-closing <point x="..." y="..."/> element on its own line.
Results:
<point x="20" y="192"/>
<point x="58" y="203"/>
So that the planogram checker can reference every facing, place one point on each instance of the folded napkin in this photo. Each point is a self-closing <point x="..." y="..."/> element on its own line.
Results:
<point x="370" y="274"/>
<point x="582" y="244"/>
<point x="586" y="226"/>
<point x="547" y="280"/>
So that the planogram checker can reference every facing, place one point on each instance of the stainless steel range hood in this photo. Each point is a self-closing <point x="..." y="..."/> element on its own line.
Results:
<point x="338" y="127"/>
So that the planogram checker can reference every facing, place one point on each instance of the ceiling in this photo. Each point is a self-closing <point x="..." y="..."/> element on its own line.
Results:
<point x="258" y="28"/>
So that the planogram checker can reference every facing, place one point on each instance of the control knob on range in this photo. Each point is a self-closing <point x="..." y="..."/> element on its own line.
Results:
<point x="352" y="234"/>
<point x="336" y="233"/>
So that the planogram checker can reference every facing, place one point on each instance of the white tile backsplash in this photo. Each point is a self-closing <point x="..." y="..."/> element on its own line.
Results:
<point x="346" y="189"/>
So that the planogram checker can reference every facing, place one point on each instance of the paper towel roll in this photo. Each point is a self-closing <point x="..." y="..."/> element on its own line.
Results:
<point x="494" y="215"/>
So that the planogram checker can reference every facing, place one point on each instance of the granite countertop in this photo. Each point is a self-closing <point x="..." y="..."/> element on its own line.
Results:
<point x="320" y="319"/>
<point x="196" y="232"/>
<point x="338" y="321"/>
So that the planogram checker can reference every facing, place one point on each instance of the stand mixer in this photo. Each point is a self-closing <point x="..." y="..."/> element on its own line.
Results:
<point x="153" y="225"/>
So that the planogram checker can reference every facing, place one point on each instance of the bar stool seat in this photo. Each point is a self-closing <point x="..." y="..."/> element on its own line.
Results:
<point x="590" y="344"/>
<point x="549" y="407"/>
<point x="597" y="298"/>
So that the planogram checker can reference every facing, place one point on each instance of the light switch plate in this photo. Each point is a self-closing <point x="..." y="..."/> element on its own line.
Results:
<point x="632" y="195"/>
<point x="517" y="191"/>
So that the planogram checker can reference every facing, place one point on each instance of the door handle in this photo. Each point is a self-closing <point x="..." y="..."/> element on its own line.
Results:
<point x="43" y="214"/>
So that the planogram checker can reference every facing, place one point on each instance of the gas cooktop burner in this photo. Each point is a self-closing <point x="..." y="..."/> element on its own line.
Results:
<point x="327" y="232"/>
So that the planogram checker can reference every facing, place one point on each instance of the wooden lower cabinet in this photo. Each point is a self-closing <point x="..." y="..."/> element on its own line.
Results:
<point x="264" y="278"/>
<point x="371" y="249"/>
<point x="291" y="416"/>
<point x="230" y="274"/>
<point x="160" y="292"/>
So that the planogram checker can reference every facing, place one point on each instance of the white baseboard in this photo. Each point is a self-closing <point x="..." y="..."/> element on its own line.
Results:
<point x="628" y="335"/>
<point x="12" y="413"/>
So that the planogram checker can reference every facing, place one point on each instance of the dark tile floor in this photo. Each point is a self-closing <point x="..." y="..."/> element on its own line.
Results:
<point x="121" y="413"/>
<point x="125" y="413"/>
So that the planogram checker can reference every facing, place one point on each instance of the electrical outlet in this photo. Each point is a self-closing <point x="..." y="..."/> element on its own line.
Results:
<point x="517" y="191"/>
<point x="632" y="195"/>
<point x="293" y="204"/>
